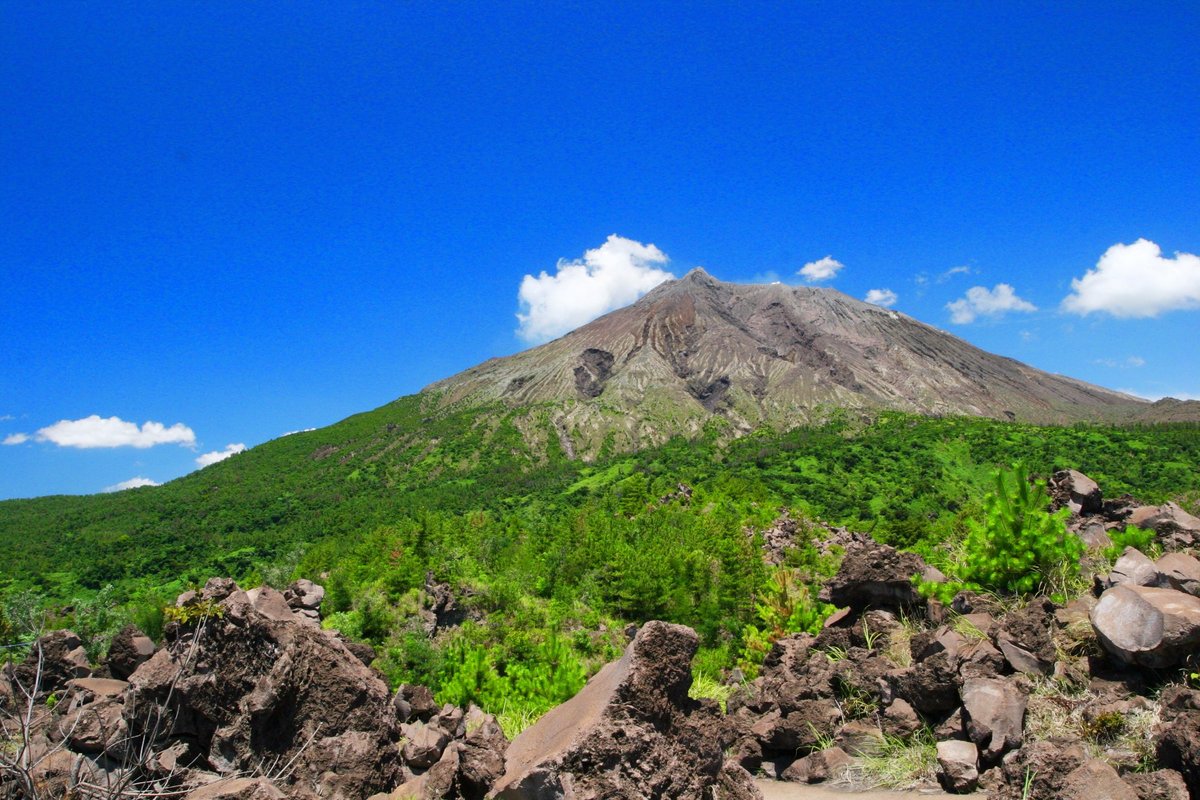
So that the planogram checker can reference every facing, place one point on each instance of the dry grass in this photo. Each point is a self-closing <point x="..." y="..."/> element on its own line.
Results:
<point x="1056" y="711"/>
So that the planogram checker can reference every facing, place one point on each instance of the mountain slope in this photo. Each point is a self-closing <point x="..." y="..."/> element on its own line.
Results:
<point x="696" y="348"/>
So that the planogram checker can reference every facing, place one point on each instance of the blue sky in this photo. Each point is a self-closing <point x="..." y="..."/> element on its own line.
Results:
<point x="236" y="220"/>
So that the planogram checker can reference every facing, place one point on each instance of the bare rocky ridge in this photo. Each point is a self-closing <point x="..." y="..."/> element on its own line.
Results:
<point x="753" y="354"/>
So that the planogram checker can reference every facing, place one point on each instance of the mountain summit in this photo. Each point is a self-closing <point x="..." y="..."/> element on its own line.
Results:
<point x="696" y="348"/>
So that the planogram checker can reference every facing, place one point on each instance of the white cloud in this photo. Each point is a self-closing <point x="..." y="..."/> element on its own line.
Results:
<point x="983" y="302"/>
<point x="1112" y="363"/>
<point x="608" y="277"/>
<point x="882" y="297"/>
<point x="950" y="273"/>
<point x="132" y="483"/>
<point x="1134" y="280"/>
<point x="821" y="270"/>
<point x="95" y="431"/>
<point x="16" y="438"/>
<point x="6" y="417"/>
<point x="208" y="459"/>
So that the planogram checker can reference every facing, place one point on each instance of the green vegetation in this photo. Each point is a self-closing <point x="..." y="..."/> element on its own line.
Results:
<point x="1017" y="546"/>
<point x="1137" y="538"/>
<point x="551" y="558"/>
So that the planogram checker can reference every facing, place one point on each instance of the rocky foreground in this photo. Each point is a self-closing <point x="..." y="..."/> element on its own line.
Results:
<point x="250" y="698"/>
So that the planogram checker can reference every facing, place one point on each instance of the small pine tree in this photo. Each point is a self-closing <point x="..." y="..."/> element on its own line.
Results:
<point x="1019" y="544"/>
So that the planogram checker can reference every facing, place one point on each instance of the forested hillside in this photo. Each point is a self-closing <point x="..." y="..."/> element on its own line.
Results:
<point x="413" y="520"/>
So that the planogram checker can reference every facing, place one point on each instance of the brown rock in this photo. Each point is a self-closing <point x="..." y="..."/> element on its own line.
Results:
<point x="250" y="687"/>
<point x="994" y="712"/>
<point x="860" y="738"/>
<point x="1133" y="567"/>
<point x="1076" y="491"/>
<point x="237" y="789"/>
<point x="818" y="767"/>
<point x="899" y="719"/>
<point x="129" y="649"/>
<point x="1037" y="771"/>
<point x="875" y="576"/>
<point x="423" y="744"/>
<point x="481" y="755"/>
<point x="1161" y="784"/>
<point x="54" y="660"/>
<point x="1024" y="639"/>
<point x="1179" y="745"/>
<point x="930" y="686"/>
<point x="413" y="702"/>
<point x="958" y="769"/>
<point x="1179" y="571"/>
<point x="1096" y="779"/>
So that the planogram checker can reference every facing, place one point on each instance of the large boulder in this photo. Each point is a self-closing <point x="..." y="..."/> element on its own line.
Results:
<point x="632" y="731"/>
<point x="1096" y="779"/>
<point x="1147" y="626"/>
<point x="253" y="686"/>
<point x="1134" y="568"/>
<point x="1179" y="571"/>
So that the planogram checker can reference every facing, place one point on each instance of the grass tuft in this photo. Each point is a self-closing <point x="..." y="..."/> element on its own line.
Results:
<point x="901" y="763"/>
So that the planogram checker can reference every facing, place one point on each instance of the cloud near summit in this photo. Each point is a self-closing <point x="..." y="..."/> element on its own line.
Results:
<point x="608" y="277"/>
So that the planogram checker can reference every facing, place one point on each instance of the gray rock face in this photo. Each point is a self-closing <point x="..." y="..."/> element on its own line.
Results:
<point x="1148" y="626"/>
<point x="631" y="732"/>
<point x="761" y="354"/>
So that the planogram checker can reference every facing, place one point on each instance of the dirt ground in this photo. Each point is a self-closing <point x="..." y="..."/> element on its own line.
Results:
<point x="780" y="790"/>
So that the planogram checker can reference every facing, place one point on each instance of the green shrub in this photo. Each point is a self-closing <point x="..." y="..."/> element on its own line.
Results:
<point x="1019" y="547"/>
<point x="194" y="612"/>
<point x="786" y="606"/>
<point x="1137" y="538"/>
